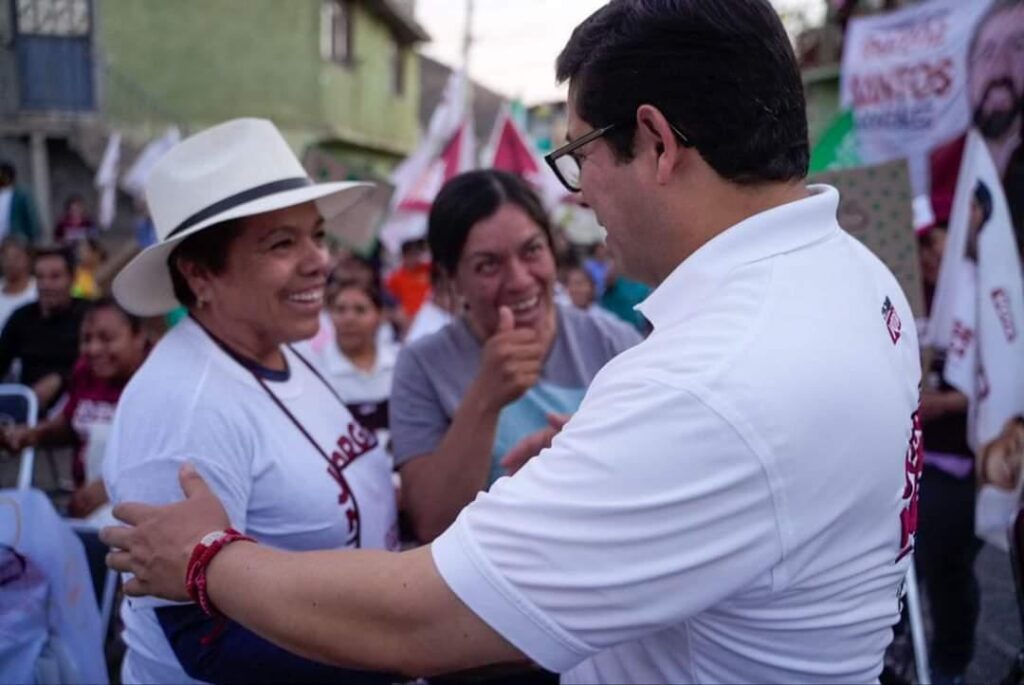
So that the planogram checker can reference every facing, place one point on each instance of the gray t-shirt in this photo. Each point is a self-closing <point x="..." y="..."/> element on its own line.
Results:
<point x="433" y="374"/>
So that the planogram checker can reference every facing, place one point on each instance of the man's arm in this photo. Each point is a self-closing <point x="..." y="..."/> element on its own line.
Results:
<point x="359" y="609"/>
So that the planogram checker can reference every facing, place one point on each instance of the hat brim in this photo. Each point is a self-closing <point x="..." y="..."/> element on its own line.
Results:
<point x="144" y="286"/>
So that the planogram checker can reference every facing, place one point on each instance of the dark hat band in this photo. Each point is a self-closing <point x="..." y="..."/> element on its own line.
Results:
<point x="241" y="198"/>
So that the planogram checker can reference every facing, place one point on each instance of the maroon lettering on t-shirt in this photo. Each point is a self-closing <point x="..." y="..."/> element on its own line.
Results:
<point x="352" y="444"/>
<point x="913" y="467"/>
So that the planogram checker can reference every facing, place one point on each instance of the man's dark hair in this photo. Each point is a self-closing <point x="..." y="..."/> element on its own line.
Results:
<point x="472" y="197"/>
<point x="61" y="252"/>
<point x="723" y="73"/>
<point x="209" y="249"/>
<point x="7" y="172"/>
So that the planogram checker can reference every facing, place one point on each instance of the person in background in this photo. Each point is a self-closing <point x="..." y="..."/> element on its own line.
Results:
<point x="113" y="348"/>
<point x="410" y="282"/>
<point x="597" y="265"/>
<point x="17" y="210"/>
<point x="74" y="225"/>
<point x="946" y="544"/>
<point x="18" y="286"/>
<point x="359" y="368"/>
<point x="142" y="226"/>
<point x="44" y="334"/>
<point x="437" y="310"/>
<point x="582" y="291"/>
<point x="511" y="362"/>
<point x="91" y="256"/>
<point x="621" y="295"/>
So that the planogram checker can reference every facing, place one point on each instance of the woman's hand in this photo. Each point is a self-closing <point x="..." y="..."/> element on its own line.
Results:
<point x="157" y="548"/>
<point x="87" y="499"/>
<point x="530" y="446"/>
<point x="17" y="438"/>
<point x="511" y="363"/>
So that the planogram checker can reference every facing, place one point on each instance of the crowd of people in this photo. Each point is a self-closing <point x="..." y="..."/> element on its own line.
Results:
<point x="693" y="388"/>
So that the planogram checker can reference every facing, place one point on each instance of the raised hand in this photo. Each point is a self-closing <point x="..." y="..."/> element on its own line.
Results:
<point x="511" y="363"/>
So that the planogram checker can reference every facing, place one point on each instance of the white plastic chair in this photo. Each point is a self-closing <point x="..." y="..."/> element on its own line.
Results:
<point x="18" y="405"/>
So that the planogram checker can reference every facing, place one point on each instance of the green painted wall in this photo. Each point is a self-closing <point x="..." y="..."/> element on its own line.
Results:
<point x="364" y="95"/>
<point x="202" y="61"/>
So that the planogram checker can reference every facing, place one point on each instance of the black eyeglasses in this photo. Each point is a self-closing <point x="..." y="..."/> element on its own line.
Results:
<point x="567" y="166"/>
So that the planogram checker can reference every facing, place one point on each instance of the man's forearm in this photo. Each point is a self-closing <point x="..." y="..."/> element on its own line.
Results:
<point x="363" y="609"/>
<point x="437" y="487"/>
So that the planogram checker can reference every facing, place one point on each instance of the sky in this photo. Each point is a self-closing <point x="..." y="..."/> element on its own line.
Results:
<point x="515" y="42"/>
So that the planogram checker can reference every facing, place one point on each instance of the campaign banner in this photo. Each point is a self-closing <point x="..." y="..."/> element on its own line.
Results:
<point x="977" y="316"/>
<point x="905" y="78"/>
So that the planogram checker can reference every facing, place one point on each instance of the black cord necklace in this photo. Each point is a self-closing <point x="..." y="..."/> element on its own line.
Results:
<point x="333" y="469"/>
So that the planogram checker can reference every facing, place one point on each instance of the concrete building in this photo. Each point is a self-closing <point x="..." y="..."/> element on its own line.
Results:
<point x="339" y="77"/>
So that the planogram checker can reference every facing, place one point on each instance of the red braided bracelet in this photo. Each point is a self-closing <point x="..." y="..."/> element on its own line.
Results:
<point x="202" y="555"/>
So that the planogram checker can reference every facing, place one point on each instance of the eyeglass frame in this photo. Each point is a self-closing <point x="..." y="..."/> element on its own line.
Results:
<point x="552" y="157"/>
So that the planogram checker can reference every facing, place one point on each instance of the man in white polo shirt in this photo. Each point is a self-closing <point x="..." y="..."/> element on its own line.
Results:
<point x="735" y="500"/>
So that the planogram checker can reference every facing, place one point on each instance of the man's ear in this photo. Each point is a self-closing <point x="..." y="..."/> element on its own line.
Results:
<point x="655" y="132"/>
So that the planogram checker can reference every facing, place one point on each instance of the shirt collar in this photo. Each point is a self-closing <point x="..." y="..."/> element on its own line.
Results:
<point x="781" y="229"/>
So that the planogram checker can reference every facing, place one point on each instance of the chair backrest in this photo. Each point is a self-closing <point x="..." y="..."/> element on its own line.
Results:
<point x="18" y="405"/>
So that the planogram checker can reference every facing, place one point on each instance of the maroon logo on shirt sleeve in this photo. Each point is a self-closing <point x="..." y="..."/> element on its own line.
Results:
<point x="913" y="467"/>
<point x="892" y="321"/>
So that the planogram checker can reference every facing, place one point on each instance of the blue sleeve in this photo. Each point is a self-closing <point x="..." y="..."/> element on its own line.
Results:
<point x="238" y="655"/>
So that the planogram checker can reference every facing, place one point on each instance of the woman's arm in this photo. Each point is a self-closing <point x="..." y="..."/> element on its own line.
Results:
<point x="436" y="486"/>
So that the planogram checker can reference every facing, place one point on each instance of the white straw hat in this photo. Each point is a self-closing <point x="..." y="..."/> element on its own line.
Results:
<point x="235" y="169"/>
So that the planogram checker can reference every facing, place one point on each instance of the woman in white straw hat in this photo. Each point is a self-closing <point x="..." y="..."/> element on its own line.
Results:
<point x="241" y="230"/>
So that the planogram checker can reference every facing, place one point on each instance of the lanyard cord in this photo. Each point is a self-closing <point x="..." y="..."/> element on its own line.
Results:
<point x="335" y="470"/>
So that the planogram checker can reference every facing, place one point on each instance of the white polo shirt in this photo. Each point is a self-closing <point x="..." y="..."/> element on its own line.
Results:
<point x="734" y="500"/>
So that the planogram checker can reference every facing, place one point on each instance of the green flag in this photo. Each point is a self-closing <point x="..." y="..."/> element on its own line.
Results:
<point x="837" y="148"/>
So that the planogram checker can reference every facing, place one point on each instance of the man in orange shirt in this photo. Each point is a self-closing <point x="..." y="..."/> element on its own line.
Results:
<point x="410" y="283"/>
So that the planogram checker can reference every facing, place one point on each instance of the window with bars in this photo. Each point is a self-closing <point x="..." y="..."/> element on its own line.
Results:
<point x="53" y="18"/>
<point x="336" y="38"/>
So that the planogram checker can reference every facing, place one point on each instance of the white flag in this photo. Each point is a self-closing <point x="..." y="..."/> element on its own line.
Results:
<point x="447" y="149"/>
<point x="106" y="180"/>
<point x="978" y="311"/>
<point x="134" y="180"/>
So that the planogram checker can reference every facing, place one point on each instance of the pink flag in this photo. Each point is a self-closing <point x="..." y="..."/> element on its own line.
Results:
<point x="513" y="151"/>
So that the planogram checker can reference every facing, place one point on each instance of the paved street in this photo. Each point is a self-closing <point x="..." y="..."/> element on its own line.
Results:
<point x="999" y="633"/>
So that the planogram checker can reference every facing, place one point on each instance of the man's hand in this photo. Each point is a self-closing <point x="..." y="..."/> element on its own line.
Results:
<point x="530" y="446"/>
<point x="511" y="364"/>
<point x="1001" y="459"/>
<point x="157" y="549"/>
